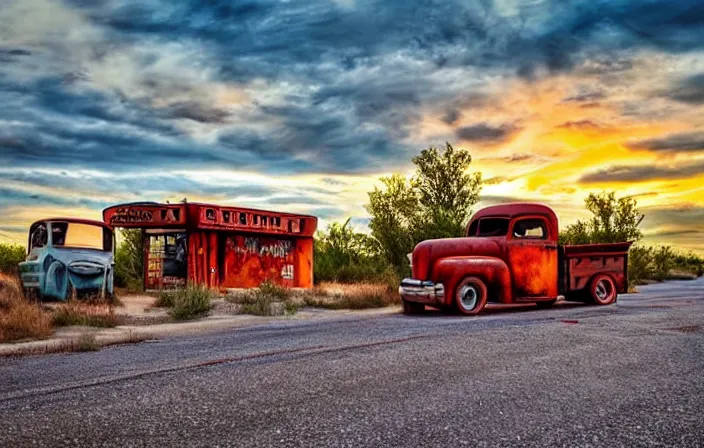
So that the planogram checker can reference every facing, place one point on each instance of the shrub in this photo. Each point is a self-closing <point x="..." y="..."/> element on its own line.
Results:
<point x="85" y="314"/>
<point x="189" y="303"/>
<point x="10" y="256"/>
<point x="87" y="343"/>
<point x="269" y="299"/>
<point x="639" y="265"/>
<point x="663" y="261"/>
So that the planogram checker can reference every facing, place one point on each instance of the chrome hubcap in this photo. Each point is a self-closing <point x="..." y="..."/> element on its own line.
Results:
<point x="468" y="297"/>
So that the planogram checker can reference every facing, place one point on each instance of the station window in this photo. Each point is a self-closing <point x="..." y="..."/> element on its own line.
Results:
<point x="226" y="216"/>
<point x="276" y="221"/>
<point x="210" y="214"/>
<point x="243" y="219"/>
<point x="265" y="220"/>
<point x="255" y="220"/>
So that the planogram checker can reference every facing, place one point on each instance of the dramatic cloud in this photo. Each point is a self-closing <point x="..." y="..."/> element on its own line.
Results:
<point x="302" y="105"/>
<point x="487" y="133"/>
<point x="683" y="142"/>
<point x="689" y="90"/>
<point x="640" y="173"/>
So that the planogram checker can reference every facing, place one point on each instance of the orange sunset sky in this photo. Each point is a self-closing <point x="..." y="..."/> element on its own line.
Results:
<point x="302" y="106"/>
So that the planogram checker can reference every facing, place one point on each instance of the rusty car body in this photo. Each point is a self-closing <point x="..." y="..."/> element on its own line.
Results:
<point x="510" y="254"/>
<point x="67" y="257"/>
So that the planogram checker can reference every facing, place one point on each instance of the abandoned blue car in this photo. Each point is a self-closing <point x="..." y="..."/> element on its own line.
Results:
<point x="68" y="257"/>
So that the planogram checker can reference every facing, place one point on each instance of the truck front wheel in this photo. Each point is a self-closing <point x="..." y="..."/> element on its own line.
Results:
<point x="470" y="296"/>
<point x="602" y="290"/>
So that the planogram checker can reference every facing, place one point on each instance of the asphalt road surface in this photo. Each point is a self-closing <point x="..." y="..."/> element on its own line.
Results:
<point x="630" y="374"/>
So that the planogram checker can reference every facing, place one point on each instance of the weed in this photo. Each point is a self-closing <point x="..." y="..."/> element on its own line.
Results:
<point x="84" y="314"/>
<point x="269" y="299"/>
<point x="87" y="343"/>
<point x="188" y="303"/>
<point x="20" y="319"/>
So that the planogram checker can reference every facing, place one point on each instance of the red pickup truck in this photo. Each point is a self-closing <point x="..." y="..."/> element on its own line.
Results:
<point x="510" y="254"/>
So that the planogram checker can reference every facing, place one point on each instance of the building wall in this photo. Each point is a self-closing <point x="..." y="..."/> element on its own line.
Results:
<point x="235" y="260"/>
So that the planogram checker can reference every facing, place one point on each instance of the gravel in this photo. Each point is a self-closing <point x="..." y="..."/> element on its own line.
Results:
<point x="623" y="375"/>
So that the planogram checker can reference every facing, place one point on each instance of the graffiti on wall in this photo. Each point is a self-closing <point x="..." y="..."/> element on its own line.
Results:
<point x="251" y="260"/>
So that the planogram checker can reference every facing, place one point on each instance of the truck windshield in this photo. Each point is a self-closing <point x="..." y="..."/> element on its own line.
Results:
<point x="493" y="227"/>
<point x="79" y="235"/>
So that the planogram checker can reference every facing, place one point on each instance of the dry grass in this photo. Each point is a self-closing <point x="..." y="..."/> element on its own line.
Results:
<point x="267" y="300"/>
<point x="93" y="314"/>
<point x="20" y="319"/>
<point x="353" y="296"/>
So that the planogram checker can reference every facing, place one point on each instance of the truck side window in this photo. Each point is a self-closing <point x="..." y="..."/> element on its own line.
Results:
<point x="493" y="227"/>
<point x="530" y="229"/>
<point x="39" y="236"/>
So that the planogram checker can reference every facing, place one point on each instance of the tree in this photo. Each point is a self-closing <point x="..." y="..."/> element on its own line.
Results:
<point x="435" y="203"/>
<point x="129" y="259"/>
<point x="446" y="191"/>
<point x="341" y="254"/>
<point x="614" y="220"/>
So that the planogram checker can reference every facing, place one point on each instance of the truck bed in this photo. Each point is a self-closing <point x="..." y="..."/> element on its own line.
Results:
<point x="579" y="263"/>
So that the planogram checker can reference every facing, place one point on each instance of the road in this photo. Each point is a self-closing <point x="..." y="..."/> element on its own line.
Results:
<point x="629" y="374"/>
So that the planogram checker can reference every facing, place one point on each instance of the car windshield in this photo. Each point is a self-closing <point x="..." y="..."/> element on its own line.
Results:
<point x="79" y="235"/>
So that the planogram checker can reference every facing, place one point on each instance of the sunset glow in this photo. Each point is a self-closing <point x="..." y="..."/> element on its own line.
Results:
<point x="302" y="106"/>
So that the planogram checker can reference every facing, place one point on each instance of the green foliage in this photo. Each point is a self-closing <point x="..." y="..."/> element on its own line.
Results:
<point x="129" y="260"/>
<point x="188" y="303"/>
<point x="639" y="264"/>
<point x="10" y="256"/>
<point x="343" y="255"/>
<point x="435" y="203"/>
<point x="614" y="220"/>
<point x="663" y="261"/>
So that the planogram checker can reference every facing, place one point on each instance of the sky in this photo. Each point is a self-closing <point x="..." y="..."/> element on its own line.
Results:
<point x="301" y="105"/>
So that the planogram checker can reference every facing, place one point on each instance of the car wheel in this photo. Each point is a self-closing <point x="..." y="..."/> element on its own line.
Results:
<point x="412" y="307"/>
<point x="470" y="296"/>
<point x="602" y="290"/>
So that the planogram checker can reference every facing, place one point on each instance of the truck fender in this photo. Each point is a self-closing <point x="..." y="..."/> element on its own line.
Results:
<point x="493" y="271"/>
<point x="56" y="283"/>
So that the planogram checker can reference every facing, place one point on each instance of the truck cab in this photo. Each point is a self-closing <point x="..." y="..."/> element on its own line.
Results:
<point x="68" y="256"/>
<point x="510" y="254"/>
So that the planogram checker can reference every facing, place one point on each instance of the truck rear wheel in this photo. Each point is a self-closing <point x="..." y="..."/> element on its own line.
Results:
<point x="412" y="307"/>
<point x="470" y="296"/>
<point x="602" y="290"/>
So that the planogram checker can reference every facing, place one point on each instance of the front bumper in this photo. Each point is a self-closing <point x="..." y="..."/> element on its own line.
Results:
<point x="419" y="291"/>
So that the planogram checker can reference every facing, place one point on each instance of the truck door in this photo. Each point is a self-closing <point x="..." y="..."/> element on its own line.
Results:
<point x="532" y="257"/>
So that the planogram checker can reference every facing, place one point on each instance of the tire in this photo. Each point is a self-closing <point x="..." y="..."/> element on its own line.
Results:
<point x="545" y="304"/>
<point x="412" y="307"/>
<point x="602" y="290"/>
<point x="470" y="296"/>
